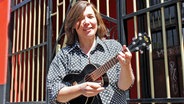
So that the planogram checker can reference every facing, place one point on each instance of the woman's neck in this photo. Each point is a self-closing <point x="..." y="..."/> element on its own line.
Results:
<point x="87" y="45"/>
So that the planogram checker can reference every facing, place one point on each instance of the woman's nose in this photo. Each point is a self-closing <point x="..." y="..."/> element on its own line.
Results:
<point x="86" y="21"/>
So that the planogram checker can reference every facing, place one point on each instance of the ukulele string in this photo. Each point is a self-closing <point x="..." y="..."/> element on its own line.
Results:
<point x="97" y="73"/>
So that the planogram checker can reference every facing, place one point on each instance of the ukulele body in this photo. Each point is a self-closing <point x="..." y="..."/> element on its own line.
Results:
<point x="84" y="76"/>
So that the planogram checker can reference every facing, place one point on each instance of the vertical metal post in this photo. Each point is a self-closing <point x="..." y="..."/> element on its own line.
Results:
<point x="49" y="41"/>
<point x="43" y="53"/>
<point x="136" y="54"/>
<point x="107" y="8"/>
<point x="49" y="33"/>
<point x="58" y="46"/>
<point x="165" y="52"/>
<point x="34" y="51"/>
<point x="13" y="57"/>
<point x="24" y="54"/>
<point x="20" y="55"/>
<point x="29" y="52"/>
<point x="38" y="69"/>
<point x="16" y="57"/>
<point x="181" y="37"/>
<point x="150" y="52"/>
<point x="121" y="11"/>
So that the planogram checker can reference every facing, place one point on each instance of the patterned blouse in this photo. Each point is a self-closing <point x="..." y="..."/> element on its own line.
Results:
<point x="72" y="60"/>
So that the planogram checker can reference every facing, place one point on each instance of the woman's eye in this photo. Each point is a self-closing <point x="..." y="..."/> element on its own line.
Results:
<point x="90" y="16"/>
<point x="81" y="18"/>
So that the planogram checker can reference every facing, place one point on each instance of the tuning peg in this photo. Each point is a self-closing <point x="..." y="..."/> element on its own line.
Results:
<point x="133" y="43"/>
<point x="137" y="48"/>
<point x="141" y="52"/>
<point x="140" y="38"/>
<point x="140" y="34"/>
<point x="143" y="44"/>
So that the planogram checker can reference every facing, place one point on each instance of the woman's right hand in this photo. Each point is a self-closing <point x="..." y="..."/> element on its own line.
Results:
<point x="87" y="89"/>
<point x="90" y="89"/>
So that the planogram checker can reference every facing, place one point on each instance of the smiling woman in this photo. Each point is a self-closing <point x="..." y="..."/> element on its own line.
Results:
<point x="76" y="15"/>
<point x="70" y="76"/>
<point x="86" y="29"/>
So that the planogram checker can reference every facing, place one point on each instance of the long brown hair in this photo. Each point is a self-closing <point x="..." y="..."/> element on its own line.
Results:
<point x="72" y="18"/>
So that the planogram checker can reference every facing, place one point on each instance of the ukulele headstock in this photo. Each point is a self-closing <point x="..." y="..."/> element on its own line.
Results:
<point x="138" y="44"/>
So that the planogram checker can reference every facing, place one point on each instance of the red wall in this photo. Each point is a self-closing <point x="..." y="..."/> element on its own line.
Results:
<point x="4" y="20"/>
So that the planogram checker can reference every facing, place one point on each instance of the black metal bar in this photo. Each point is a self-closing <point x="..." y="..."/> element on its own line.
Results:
<point x="27" y="49"/>
<point x="49" y="44"/>
<point x="123" y="13"/>
<point x="109" y="18"/>
<point x="14" y="8"/>
<point x="151" y="8"/>
<point x="120" y="12"/>
<point x="156" y="100"/>
<point x="49" y="33"/>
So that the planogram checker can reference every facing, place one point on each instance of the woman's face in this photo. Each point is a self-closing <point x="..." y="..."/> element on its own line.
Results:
<point x="87" y="24"/>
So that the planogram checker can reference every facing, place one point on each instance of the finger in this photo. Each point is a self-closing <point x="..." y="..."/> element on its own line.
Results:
<point x="94" y="85"/>
<point x="127" y="53"/>
<point x="122" y="59"/>
<point x="89" y="91"/>
<point x="124" y="48"/>
<point x="121" y="54"/>
<point x="100" y="89"/>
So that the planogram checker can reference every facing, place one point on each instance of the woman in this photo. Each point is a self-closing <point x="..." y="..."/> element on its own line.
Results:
<point x="85" y="45"/>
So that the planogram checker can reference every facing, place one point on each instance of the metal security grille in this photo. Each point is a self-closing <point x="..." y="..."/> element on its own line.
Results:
<point x="159" y="78"/>
<point x="27" y="54"/>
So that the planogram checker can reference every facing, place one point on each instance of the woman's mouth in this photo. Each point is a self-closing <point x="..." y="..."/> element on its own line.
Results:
<point x="87" y="29"/>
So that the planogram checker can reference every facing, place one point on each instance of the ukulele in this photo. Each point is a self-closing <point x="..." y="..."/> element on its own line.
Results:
<point x="97" y="73"/>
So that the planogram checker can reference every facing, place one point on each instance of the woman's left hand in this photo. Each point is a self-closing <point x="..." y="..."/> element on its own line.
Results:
<point x="125" y="56"/>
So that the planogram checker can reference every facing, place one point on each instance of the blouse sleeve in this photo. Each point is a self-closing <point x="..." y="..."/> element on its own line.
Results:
<point x="55" y="76"/>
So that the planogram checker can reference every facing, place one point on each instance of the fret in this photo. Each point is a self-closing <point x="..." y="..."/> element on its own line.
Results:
<point x="103" y="69"/>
